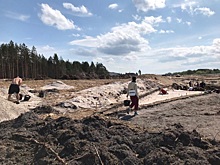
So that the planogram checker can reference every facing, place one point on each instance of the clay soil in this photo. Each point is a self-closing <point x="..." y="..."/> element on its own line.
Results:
<point x="184" y="131"/>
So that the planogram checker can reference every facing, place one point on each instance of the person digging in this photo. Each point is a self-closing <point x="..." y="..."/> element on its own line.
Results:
<point x="15" y="88"/>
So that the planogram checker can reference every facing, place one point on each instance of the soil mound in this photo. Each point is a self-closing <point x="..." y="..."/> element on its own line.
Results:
<point x="36" y="137"/>
<point x="57" y="85"/>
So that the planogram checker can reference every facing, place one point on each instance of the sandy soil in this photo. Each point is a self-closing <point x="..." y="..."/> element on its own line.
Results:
<point x="85" y="122"/>
<point x="83" y="94"/>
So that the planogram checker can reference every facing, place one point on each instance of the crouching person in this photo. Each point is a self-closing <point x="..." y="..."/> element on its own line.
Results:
<point x="162" y="91"/>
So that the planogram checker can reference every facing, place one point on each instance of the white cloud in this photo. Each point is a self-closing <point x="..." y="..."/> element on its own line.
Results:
<point x="191" y="55"/>
<point x="85" y="52"/>
<point x="17" y="16"/>
<point x="205" y="11"/>
<point x="132" y="57"/>
<point x="169" y="19"/>
<point x="113" y="6"/>
<point x="188" y="23"/>
<point x="46" y="50"/>
<point x="110" y="60"/>
<point x="136" y="17"/>
<point x="127" y="41"/>
<point x="123" y="39"/>
<point x="76" y="35"/>
<point x="145" y="5"/>
<point x="179" y="20"/>
<point x="166" y="31"/>
<point x="119" y="42"/>
<point x="86" y="42"/>
<point x="192" y="7"/>
<point x="216" y="42"/>
<point x="188" y="6"/>
<point x="99" y="59"/>
<point x="55" y="18"/>
<point x="80" y="11"/>
<point x="216" y="46"/>
<point x="153" y="20"/>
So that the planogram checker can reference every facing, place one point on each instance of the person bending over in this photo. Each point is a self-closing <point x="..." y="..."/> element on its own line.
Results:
<point x="15" y="88"/>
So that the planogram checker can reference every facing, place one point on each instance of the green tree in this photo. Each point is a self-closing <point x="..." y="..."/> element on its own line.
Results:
<point x="85" y="67"/>
<point x="101" y="70"/>
<point x="56" y="66"/>
<point x="20" y="60"/>
<point x="50" y="72"/>
<point x="77" y="68"/>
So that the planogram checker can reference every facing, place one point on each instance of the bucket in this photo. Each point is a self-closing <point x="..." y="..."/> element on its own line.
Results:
<point x="127" y="102"/>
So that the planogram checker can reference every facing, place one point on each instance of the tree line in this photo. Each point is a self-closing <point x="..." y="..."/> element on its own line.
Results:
<point x="18" y="59"/>
<point x="195" y="72"/>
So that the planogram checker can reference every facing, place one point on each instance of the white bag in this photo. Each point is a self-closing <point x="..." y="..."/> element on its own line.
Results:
<point x="132" y="92"/>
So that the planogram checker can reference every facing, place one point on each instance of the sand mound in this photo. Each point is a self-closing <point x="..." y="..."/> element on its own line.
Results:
<point x="57" y="85"/>
<point x="9" y="110"/>
<point x="98" y="97"/>
<point x="107" y="95"/>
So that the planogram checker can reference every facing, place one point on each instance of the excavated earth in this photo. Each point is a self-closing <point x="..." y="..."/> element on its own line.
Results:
<point x="43" y="136"/>
<point x="174" y="132"/>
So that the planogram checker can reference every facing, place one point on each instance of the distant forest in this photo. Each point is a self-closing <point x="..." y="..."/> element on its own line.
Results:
<point x="20" y="60"/>
<point x="195" y="72"/>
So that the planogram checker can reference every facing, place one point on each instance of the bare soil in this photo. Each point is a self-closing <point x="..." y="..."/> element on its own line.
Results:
<point x="180" y="131"/>
<point x="200" y="113"/>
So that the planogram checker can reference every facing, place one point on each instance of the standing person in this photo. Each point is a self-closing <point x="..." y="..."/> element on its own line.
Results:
<point x="15" y="88"/>
<point x="190" y="83"/>
<point x="133" y="93"/>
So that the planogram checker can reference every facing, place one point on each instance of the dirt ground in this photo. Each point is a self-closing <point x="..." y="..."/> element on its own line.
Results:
<point x="180" y="130"/>
<point x="200" y="113"/>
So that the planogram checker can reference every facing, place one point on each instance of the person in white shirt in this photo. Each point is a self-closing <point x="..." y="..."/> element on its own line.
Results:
<point x="133" y="93"/>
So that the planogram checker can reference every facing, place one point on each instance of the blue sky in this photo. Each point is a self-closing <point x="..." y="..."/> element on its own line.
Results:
<point x="154" y="36"/>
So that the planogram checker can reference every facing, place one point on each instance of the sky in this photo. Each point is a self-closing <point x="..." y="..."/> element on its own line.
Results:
<point x="154" y="36"/>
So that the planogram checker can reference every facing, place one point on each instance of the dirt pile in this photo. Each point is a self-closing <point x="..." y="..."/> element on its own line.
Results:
<point x="9" y="110"/>
<point x="57" y="85"/>
<point x="106" y="95"/>
<point x="37" y="137"/>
